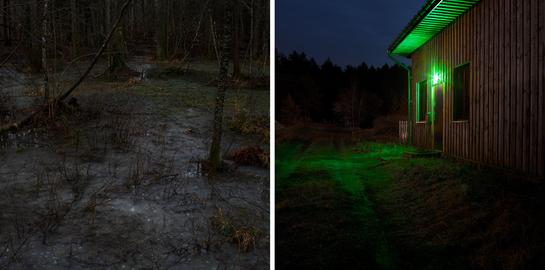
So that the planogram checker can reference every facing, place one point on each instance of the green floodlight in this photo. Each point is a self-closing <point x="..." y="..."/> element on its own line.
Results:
<point x="434" y="16"/>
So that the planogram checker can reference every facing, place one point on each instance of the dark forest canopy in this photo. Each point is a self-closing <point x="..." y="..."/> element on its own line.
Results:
<point x="167" y="29"/>
<point x="351" y="96"/>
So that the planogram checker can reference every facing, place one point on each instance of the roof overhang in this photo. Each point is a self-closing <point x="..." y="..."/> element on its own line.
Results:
<point x="432" y="18"/>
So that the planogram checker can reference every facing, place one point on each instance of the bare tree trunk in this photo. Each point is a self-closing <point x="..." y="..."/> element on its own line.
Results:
<point x="215" y="149"/>
<point x="107" y="15"/>
<point x="32" y="47"/>
<point x="7" y="23"/>
<point x="161" y="30"/>
<point x="266" y="34"/>
<point x="252" y="38"/>
<point x="118" y="52"/>
<point x="107" y="26"/>
<point x="214" y="39"/>
<point x="44" y="51"/>
<point x="74" y="27"/>
<point x="197" y="32"/>
<point x="236" y="45"/>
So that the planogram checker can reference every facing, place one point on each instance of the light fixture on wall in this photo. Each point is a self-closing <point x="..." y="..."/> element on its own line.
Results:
<point x="436" y="79"/>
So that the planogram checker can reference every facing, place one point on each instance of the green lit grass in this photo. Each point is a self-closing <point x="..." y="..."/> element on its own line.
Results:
<point x="366" y="206"/>
<point x="351" y="171"/>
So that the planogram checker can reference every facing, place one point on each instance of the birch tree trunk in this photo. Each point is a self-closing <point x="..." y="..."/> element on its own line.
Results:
<point x="215" y="149"/>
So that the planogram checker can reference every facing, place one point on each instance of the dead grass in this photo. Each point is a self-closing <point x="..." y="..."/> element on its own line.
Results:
<point x="7" y="112"/>
<point x="138" y="168"/>
<point x="247" y="119"/>
<point x="479" y="218"/>
<point x="250" y="156"/>
<point x="238" y="230"/>
<point x="251" y="125"/>
<point x="122" y="132"/>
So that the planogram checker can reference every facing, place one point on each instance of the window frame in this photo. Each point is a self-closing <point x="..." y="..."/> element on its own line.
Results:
<point x="468" y="96"/>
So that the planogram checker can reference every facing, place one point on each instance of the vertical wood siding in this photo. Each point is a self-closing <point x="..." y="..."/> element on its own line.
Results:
<point x="504" y="42"/>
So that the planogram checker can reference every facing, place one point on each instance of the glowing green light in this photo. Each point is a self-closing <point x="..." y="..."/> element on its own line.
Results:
<point x="436" y="79"/>
<point x="434" y="16"/>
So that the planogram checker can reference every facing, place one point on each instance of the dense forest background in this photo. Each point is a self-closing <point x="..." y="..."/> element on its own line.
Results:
<point x="72" y="30"/>
<point x="352" y="96"/>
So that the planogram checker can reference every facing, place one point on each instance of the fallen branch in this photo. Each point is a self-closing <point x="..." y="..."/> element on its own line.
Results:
<point x="22" y="122"/>
<point x="29" y="118"/>
<point x="98" y="55"/>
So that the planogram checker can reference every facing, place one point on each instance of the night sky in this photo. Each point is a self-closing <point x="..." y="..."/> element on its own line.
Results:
<point x="347" y="31"/>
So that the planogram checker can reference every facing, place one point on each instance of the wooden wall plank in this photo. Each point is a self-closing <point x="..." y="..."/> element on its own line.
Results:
<point x="457" y="55"/>
<point x="481" y="78"/>
<point x="475" y="85"/>
<point x="494" y="83"/>
<point x="519" y="80"/>
<point x="448" y="59"/>
<point x="506" y="82"/>
<point x="500" y="84"/>
<point x="526" y="86"/>
<point x="532" y="158"/>
<point x="454" y="55"/>
<point x="467" y="42"/>
<point x="513" y="85"/>
<point x="541" y="96"/>
<point x="487" y="81"/>
<point x="471" y="57"/>
<point x="506" y="124"/>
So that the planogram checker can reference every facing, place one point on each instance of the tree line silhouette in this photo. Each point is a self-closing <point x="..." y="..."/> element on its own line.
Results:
<point x="352" y="96"/>
<point x="170" y="30"/>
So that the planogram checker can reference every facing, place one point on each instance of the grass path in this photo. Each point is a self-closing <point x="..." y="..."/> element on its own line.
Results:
<point x="349" y="173"/>
<point x="341" y="205"/>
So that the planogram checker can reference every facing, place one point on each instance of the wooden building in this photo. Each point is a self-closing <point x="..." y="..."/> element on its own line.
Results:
<point x="477" y="81"/>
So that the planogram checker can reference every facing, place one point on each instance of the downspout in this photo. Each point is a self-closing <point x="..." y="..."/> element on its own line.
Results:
<point x="409" y="96"/>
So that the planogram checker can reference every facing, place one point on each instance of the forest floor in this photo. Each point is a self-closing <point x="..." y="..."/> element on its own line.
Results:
<point x="115" y="182"/>
<point x="344" y="201"/>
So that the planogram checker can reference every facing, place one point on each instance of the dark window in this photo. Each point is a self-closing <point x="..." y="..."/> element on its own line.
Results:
<point x="422" y="101"/>
<point x="461" y="93"/>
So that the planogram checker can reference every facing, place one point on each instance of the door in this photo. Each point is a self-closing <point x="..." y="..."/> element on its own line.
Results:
<point x="438" y="117"/>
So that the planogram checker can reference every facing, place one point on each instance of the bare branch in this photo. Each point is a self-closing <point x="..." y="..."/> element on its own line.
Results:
<point x="99" y="53"/>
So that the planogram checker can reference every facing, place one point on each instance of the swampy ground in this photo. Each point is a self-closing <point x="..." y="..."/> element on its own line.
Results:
<point x="114" y="181"/>
<point x="347" y="201"/>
